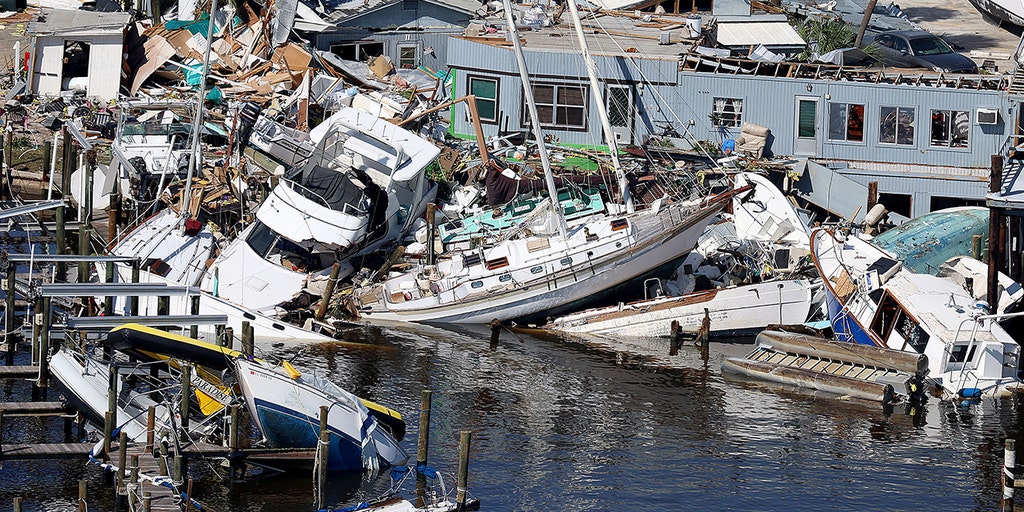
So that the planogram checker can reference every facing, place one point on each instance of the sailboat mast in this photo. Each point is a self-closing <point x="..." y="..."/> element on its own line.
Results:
<point x="602" y="109"/>
<point x="534" y="120"/>
<point x="197" y="123"/>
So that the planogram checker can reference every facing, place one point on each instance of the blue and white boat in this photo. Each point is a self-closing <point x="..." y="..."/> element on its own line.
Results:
<point x="285" y="404"/>
<point x="873" y="300"/>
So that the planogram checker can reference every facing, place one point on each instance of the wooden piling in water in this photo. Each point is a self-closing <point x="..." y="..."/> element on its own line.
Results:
<point x="9" y="290"/>
<point x="147" y="501"/>
<point x="17" y="504"/>
<point x="422" y="447"/>
<point x="133" y="481"/>
<point x="463" y="476"/>
<point x="108" y="430"/>
<point x="83" y="496"/>
<point x="321" y="466"/>
<point x="108" y="304"/>
<point x="122" y="461"/>
<point x="1" y="431"/>
<point x="62" y="243"/>
<point x="248" y="332"/>
<point x="150" y="428"/>
<point x="83" y="250"/>
<point x="228" y="340"/>
<point x="325" y="301"/>
<point x="675" y="338"/>
<point x="431" y="215"/>
<point x="495" y="333"/>
<point x="133" y="301"/>
<point x="44" y="348"/>
<point x="186" y="395"/>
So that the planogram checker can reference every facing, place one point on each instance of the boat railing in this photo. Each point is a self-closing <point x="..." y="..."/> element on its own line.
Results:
<point x="977" y="321"/>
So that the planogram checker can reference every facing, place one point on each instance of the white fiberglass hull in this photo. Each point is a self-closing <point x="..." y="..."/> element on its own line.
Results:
<point x="594" y="258"/>
<point x="733" y="311"/>
<point x="287" y="412"/>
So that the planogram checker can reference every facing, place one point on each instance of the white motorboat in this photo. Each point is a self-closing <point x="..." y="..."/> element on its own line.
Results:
<point x="285" y="405"/>
<point x="873" y="300"/>
<point x="361" y="189"/>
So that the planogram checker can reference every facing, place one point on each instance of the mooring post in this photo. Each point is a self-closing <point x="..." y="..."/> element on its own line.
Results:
<point x="108" y="430"/>
<point x="247" y="342"/>
<point x="83" y="496"/>
<point x="233" y="441"/>
<point x="460" y="496"/>
<point x="976" y="247"/>
<point x="705" y="335"/>
<point x="178" y="469"/>
<point x="422" y="447"/>
<point x="147" y="501"/>
<point x="108" y="305"/>
<point x="122" y="460"/>
<point x="17" y="504"/>
<point x="9" y="317"/>
<point x="321" y="466"/>
<point x="325" y="301"/>
<point x="228" y="339"/>
<point x="113" y="215"/>
<point x="47" y="150"/>
<point x="150" y="428"/>
<point x="62" y="243"/>
<point x="186" y="396"/>
<point x="188" y="496"/>
<point x="133" y="301"/>
<point x="1" y="432"/>
<point x="44" y="348"/>
<point x="495" y="333"/>
<point x="133" y="481"/>
<point x="162" y="461"/>
<point x="83" y="250"/>
<point x="37" y="326"/>
<point x="112" y="385"/>
<point x="675" y="338"/>
<point x="1009" y="465"/>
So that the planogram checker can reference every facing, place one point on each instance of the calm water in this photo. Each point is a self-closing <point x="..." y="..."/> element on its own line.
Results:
<point x="560" y="425"/>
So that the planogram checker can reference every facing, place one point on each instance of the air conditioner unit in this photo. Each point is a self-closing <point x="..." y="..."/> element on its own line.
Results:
<point x="987" y="116"/>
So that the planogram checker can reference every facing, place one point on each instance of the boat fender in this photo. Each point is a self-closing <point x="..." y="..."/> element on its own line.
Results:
<point x="292" y="372"/>
<point x="969" y="393"/>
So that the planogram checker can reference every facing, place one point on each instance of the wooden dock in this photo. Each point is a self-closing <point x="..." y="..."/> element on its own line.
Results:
<point x="33" y="408"/>
<point x="18" y="372"/>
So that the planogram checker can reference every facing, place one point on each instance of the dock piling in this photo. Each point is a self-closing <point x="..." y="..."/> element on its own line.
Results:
<point x="17" y="504"/>
<point x="495" y="333"/>
<point x="62" y="244"/>
<point x="193" y="330"/>
<point x="321" y="466"/>
<point x="422" y="447"/>
<point x="44" y="348"/>
<point x="1" y="433"/>
<point x="132" y="489"/>
<point x="108" y="304"/>
<point x="186" y="395"/>
<point x="83" y="495"/>
<point x="228" y="339"/>
<point x="460" y="497"/>
<point x="133" y="301"/>
<point x="163" y="305"/>
<point x="122" y="460"/>
<point x="108" y="430"/>
<point x="147" y="501"/>
<point x="675" y="338"/>
<point x="150" y="426"/>
<point x="10" y="295"/>
<point x="247" y="338"/>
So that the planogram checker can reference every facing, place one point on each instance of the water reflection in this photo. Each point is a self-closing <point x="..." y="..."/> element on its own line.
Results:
<point x="565" y="424"/>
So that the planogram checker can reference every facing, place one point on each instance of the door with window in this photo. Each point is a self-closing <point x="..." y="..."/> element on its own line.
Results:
<point x="805" y="140"/>
<point x="620" y="112"/>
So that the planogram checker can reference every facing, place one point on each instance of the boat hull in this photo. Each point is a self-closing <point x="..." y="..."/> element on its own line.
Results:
<point x="732" y="311"/>
<point x="287" y="412"/>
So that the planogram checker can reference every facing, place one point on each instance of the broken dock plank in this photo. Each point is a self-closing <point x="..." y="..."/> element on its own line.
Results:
<point x="33" y="408"/>
<point x="18" y="372"/>
<point x="28" y="451"/>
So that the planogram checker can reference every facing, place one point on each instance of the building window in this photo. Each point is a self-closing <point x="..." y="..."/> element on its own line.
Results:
<point x="360" y="51"/>
<point x="950" y="128"/>
<point x="560" y="106"/>
<point x="896" y="125"/>
<point x="486" y="92"/>
<point x="408" y="56"/>
<point x="897" y="203"/>
<point x="846" y="122"/>
<point x="727" y="112"/>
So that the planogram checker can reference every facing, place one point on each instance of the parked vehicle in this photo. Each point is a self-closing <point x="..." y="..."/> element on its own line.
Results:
<point x="919" y="49"/>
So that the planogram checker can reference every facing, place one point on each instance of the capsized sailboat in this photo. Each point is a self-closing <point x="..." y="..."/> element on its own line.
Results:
<point x="544" y="269"/>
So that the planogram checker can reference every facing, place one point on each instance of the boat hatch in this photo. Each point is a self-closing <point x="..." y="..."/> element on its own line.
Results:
<point x="497" y="263"/>
<point x="471" y="259"/>
<point x="157" y="266"/>
<point x="896" y="327"/>
<point x="619" y="224"/>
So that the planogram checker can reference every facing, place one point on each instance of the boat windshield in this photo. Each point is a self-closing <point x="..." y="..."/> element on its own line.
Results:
<point x="336" y="392"/>
<point x="281" y="251"/>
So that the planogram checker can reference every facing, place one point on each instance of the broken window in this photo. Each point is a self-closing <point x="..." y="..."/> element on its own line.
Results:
<point x="560" y="106"/>
<point x="896" y="203"/>
<point x="408" y="56"/>
<point x="896" y="125"/>
<point x="727" y="112"/>
<point x="486" y="92"/>
<point x="846" y="122"/>
<point x="76" y="65"/>
<point x="950" y="128"/>
<point x="361" y="51"/>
